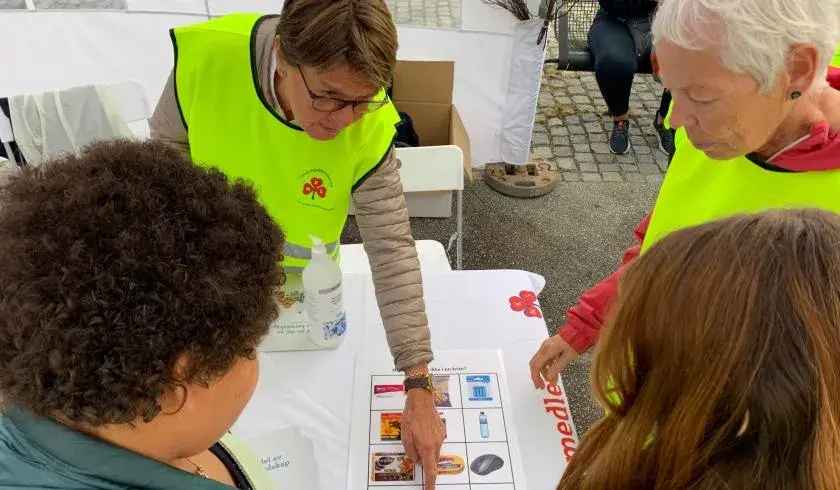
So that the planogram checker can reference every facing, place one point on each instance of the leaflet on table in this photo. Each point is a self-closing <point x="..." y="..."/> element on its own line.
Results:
<point x="480" y="445"/>
<point x="289" y="458"/>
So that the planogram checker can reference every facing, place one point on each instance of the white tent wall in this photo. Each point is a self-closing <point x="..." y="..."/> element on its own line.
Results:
<point x="53" y="49"/>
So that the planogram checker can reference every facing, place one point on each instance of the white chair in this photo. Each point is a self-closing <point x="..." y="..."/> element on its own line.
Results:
<point x="129" y="97"/>
<point x="425" y="170"/>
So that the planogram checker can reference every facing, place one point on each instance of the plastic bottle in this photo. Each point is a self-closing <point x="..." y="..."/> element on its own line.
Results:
<point x="482" y="423"/>
<point x="323" y="298"/>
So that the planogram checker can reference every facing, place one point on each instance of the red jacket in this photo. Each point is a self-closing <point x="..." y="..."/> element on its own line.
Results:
<point x="584" y="320"/>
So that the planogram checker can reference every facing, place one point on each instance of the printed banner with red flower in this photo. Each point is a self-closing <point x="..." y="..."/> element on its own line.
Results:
<point x="526" y="302"/>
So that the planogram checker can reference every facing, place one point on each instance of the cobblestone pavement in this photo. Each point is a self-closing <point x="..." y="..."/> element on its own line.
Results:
<point x="427" y="13"/>
<point x="572" y="129"/>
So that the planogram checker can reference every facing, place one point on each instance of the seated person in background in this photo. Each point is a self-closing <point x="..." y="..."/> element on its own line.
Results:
<point x="619" y="40"/>
<point x="757" y="119"/>
<point x="723" y="352"/>
<point x="134" y="289"/>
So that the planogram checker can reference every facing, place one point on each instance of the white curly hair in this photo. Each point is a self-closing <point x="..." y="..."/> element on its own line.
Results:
<point x="754" y="36"/>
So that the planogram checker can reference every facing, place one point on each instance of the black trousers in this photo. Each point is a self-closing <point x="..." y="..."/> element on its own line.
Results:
<point x="616" y="60"/>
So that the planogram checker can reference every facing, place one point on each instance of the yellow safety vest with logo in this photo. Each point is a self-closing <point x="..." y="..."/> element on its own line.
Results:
<point x="305" y="184"/>
<point x="698" y="189"/>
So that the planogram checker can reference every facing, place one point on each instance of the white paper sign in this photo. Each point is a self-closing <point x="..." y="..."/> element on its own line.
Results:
<point x="288" y="457"/>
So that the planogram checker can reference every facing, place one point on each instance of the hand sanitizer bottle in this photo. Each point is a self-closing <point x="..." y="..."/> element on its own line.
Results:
<point x="323" y="299"/>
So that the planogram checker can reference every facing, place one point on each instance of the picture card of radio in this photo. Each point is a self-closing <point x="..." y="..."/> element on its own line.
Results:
<point x="479" y="450"/>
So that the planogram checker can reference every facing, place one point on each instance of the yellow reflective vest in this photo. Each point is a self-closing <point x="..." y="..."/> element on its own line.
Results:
<point x="305" y="184"/>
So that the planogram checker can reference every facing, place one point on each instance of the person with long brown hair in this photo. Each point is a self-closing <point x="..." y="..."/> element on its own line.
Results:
<point x="720" y="363"/>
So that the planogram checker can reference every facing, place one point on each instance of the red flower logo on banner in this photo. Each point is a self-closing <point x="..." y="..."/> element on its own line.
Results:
<point x="315" y="186"/>
<point x="527" y="303"/>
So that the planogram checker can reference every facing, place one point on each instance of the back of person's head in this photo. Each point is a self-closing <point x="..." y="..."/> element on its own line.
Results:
<point x="326" y="34"/>
<point x="723" y="354"/>
<point x="127" y="272"/>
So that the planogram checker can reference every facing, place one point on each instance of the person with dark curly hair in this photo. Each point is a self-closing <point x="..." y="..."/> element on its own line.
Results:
<point x="134" y="290"/>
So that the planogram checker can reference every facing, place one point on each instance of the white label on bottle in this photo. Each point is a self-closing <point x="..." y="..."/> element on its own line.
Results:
<point x="326" y="312"/>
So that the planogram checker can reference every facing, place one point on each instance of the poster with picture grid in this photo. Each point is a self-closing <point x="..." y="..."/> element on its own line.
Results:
<point x="480" y="450"/>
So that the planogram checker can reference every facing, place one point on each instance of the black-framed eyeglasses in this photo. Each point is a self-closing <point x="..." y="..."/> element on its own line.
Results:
<point x="329" y="104"/>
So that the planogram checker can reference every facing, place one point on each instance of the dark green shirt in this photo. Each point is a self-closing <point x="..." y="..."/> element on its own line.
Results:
<point x="39" y="453"/>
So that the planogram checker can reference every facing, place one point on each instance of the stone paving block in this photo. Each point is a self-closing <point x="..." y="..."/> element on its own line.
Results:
<point x="576" y="130"/>
<point x="591" y="177"/>
<point x="565" y="163"/>
<point x="593" y="127"/>
<point x="612" y="177"/>
<point x="578" y="138"/>
<point x="654" y="179"/>
<point x="571" y="177"/>
<point x="641" y="149"/>
<point x="587" y="166"/>
<point x="559" y="131"/>
<point x="649" y="168"/>
<point x="626" y="158"/>
<point x="580" y="147"/>
<point x="555" y="121"/>
<point x="602" y="148"/>
<point x="629" y="167"/>
<point x="563" y="151"/>
<point x="542" y="152"/>
<point x="603" y="158"/>
<point x="585" y="158"/>
<point x="637" y="178"/>
<point x="645" y="158"/>
<point x="560" y="141"/>
<point x="539" y="139"/>
<point x="609" y="167"/>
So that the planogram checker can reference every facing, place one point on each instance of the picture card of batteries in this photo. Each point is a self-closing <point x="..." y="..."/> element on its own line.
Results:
<point x="479" y="450"/>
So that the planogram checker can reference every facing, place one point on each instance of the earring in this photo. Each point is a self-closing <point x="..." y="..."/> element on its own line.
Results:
<point x="283" y="74"/>
<point x="795" y="94"/>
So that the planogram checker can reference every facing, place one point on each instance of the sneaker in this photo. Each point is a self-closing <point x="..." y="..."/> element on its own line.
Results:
<point x="619" y="139"/>
<point x="666" y="138"/>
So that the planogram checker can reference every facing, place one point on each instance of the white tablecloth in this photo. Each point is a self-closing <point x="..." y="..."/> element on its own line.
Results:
<point x="312" y="390"/>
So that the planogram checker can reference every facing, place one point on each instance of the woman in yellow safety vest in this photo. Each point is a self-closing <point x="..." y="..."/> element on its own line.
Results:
<point x="757" y="112"/>
<point x="734" y="329"/>
<point x="296" y="104"/>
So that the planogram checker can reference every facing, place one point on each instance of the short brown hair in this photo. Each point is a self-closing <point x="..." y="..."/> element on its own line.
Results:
<point x="117" y="262"/>
<point x="720" y="364"/>
<point x="325" y="33"/>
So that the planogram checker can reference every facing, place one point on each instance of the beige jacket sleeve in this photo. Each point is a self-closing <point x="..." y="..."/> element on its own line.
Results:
<point x="383" y="224"/>
<point x="166" y="124"/>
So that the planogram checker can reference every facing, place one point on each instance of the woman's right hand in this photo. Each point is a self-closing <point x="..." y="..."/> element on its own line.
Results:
<point x="554" y="355"/>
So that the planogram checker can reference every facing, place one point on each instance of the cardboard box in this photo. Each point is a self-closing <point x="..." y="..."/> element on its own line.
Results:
<point x="423" y="90"/>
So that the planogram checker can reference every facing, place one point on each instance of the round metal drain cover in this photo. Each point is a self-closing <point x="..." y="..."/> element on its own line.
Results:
<point x="534" y="179"/>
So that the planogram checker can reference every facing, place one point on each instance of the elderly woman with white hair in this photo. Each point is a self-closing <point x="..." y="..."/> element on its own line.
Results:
<point x="757" y="112"/>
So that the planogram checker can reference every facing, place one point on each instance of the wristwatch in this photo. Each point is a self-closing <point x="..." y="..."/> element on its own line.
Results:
<point x="423" y="381"/>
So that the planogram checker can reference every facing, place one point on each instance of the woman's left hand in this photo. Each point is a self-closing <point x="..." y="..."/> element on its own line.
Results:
<point x="422" y="433"/>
